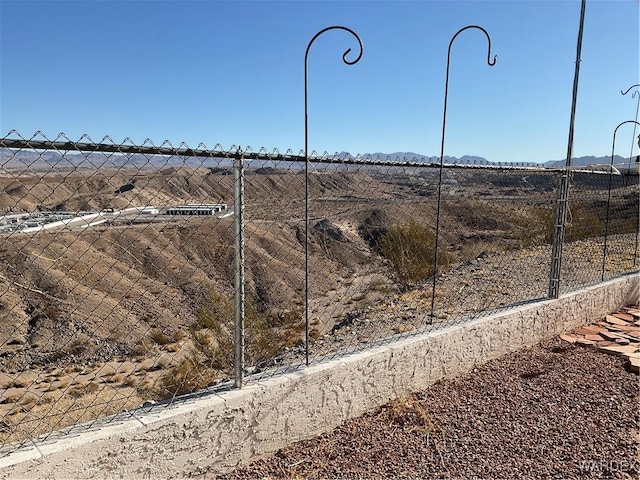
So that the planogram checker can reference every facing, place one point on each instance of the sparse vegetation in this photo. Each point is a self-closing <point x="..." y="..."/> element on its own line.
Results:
<point x="159" y="337"/>
<point x="157" y="297"/>
<point x="410" y="250"/>
<point x="77" y="346"/>
<point x="582" y="223"/>
<point x="212" y="354"/>
<point x="144" y="347"/>
<point x="188" y="376"/>
<point x="535" y="227"/>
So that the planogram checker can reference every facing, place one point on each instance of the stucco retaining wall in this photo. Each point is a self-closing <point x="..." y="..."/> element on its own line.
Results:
<point x="218" y="431"/>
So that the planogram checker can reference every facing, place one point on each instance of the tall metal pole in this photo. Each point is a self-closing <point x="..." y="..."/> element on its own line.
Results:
<point x="491" y="63"/>
<point x="563" y="190"/>
<point x="239" y="282"/>
<point x="306" y="171"/>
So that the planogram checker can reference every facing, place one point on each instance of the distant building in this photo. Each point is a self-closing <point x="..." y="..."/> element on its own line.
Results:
<point x="196" y="209"/>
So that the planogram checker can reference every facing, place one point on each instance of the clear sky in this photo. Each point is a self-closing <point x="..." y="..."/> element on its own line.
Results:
<point x="232" y="73"/>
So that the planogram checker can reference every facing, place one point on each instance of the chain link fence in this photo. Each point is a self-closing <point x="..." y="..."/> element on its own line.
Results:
<point x="602" y="229"/>
<point x="136" y="274"/>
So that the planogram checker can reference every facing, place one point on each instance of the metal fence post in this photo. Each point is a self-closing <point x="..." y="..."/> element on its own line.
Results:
<point x="563" y="190"/>
<point x="558" y="234"/>
<point x="239" y="297"/>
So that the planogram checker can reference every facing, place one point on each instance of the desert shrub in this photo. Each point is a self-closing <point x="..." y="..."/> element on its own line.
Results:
<point x="269" y="332"/>
<point x="212" y="353"/>
<point x="212" y="332"/>
<point x="159" y="337"/>
<point x="51" y="311"/>
<point x="266" y="333"/>
<point x="144" y="347"/>
<point x="408" y="414"/>
<point x="77" y="346"/>
<point x="535" y="227"/>
<point x="188" y="376"/>
<point x="181" y="336"/>
<point x="410" y="250"/>
<point x="583" y="223"/>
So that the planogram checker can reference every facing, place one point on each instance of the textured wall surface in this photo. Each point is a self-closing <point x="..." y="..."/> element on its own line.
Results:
<point x="218" y="431"/>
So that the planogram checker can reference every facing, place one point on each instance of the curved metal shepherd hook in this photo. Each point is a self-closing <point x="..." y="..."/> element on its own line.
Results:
<point x="633" y="140"/>
<point x="306" y="169"/>
<point x="491" y="62"/>
<point x="636" y="93"/>
<point x="606" y="224"/>
<point x="629" y="89"/>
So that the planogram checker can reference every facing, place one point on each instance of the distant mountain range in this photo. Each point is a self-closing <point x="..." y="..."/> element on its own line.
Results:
<point x="418" y="157"/>
<point x="590" y="160"/>
<point x="618" y="161"/>
<point x="36" y="159"/>
<point x="475" y="160"/>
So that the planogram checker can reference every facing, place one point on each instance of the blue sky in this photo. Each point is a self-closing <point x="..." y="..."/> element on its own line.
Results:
<point x="232" y="73"/>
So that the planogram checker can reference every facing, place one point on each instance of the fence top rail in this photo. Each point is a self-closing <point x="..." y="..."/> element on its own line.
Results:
<point x="166" y="149"/>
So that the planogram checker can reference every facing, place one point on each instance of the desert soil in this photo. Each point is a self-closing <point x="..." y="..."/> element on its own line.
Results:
<point x="491" y="281"/>
<point x="93" y="319"/>
<point x="552" y="411"/>
<point x="38" y="401"/>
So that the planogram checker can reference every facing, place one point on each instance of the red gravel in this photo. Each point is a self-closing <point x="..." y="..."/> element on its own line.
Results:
<point x="552" y="411"/>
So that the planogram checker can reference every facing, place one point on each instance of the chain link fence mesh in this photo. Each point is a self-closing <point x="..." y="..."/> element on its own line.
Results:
<point x="602" y="229"/>
<point x="118" y="264"/>
<point x="496" y="239"/>
<point x="109" y="263"/>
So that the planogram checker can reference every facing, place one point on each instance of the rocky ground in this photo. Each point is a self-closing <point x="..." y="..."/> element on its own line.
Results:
<point x="556" y="410"/>
<point x="491" y="281"/>
<point x="37" y="401"/>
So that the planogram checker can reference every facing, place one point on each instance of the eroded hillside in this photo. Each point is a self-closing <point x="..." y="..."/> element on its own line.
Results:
<point x="142" y="308"/>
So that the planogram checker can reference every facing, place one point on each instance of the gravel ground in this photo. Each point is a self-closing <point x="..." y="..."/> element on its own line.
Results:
<point x="552" y="411"/>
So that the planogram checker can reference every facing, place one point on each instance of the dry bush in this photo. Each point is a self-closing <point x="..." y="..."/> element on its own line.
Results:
<point x="159" y="337"/>
<point x="51" y="311"/>
<point x="535" y="227"/>
<point x="408" y="415"/>
<point x="181" y="336"/>
<point x="115" y="378"/>
<point x="212" y="332"/>
<point x="78" y="346"/>
<point x="212" y="354"/>
<point x="268" y="333"/>
<point x="410" y="250"/>
<point x="144" y="347"/>
<point x="173" y="347"/>
<point x="583" y="223"/>
<point x="188" y="376"/>
<point x="78" y="390"/>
